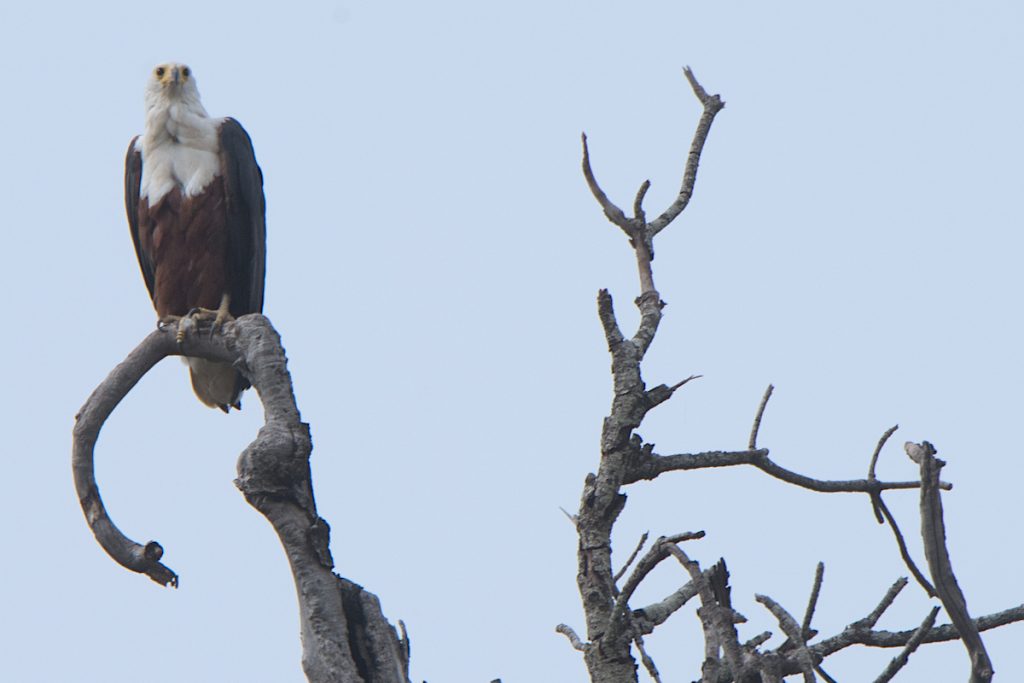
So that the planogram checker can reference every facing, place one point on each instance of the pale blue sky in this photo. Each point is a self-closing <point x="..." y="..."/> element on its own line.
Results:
<point x="433" y="258"/>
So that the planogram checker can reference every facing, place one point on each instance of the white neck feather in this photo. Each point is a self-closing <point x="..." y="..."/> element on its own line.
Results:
<point x="179" y="146"/>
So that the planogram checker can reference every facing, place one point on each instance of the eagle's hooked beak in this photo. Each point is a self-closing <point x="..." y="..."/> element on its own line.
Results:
<point x="175" y="76"/>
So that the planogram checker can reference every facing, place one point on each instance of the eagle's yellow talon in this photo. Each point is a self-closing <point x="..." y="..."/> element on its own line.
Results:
<point x="179" y="336"/>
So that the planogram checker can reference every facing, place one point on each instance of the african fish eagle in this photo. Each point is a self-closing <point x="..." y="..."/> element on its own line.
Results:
<point x="194" y="196"/>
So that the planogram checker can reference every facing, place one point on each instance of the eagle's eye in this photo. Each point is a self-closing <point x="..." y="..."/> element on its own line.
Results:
<point x="186" y="72"/>
<point x="159" y="72"/>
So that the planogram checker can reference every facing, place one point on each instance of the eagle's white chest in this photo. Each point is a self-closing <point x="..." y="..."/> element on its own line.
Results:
<point x="179" y="149"/>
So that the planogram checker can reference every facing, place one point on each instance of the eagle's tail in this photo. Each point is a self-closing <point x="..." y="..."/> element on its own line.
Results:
<point x="217" y="385"/>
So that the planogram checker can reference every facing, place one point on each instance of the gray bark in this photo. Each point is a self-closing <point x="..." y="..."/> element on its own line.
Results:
<point x="345" y="637"/>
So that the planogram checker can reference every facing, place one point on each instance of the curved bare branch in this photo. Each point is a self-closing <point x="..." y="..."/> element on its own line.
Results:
<point x="345" y="636"/>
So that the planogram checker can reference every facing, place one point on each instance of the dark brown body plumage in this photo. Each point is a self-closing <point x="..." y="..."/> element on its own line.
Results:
<point x="186" y="240"/>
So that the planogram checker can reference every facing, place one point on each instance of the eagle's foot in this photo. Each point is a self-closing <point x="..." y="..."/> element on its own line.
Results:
<point x="183" y="323"/>
<point x="223" y="314"/>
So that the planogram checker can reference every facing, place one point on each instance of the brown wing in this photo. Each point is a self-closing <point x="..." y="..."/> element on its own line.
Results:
<point x="132" y="183"/>
<point x="246" y="219"/>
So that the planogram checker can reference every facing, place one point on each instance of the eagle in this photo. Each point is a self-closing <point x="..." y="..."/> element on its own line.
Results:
<point x="194" y="197"/>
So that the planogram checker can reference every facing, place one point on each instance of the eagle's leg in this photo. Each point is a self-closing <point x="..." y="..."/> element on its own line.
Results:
<point x="223" y="313"/>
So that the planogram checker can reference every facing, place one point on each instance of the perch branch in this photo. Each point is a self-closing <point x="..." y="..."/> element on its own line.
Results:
<point x="340" y="622"/>
<point x="144" y="559"/>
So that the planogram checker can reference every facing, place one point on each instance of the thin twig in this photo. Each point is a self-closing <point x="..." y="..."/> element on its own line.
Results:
<point x="903" y="657"/>
<point x="646" y="659"/>
<point x="574" y="639"/>
<point x="878" y="449"/>
<point x="902" y="544"/>
<point x="876" y="498"/>
<point x="573" y="519"/>
<point x="885" y="603"/>
<point x="824" y="674"/>
<point x="638" y="203"/>
<point x="752" y="443"/>
<point x="614" y="213"/>
<point x="812" y="602"/>
<point x="663" y="392"/>
<point x="636" y="551"/>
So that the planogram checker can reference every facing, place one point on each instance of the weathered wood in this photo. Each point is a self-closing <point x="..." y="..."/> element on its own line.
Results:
<point x="345" y="637"/>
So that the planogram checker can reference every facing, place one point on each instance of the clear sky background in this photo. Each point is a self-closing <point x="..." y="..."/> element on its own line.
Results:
<point x="433" y="260"/>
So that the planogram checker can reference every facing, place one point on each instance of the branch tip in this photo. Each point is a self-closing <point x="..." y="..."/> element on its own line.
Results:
<point x="752" y="443"/>
<point x="878" y="449"/>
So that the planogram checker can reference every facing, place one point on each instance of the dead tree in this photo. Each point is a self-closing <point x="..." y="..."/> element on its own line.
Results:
<point x="345" y="636"/>
<point x="615" y="628"/>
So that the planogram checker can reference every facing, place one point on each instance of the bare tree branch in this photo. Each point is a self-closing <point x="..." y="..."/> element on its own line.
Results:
<point x="345" y="636"/>
<point x="663" y="392"/>
<point x="574" y="639"/>
<point x="636" y="551"/>
<point x="901" y="543"/>
<point x="712" y="105"/>
<point x="795" y="634"/>
<point x="614" y="213"/>
<point x="144" y="559"/>
<point x="752" y="443"/>
<point x="876" y="499"/>
<point x="651" y="559"/>
<point x="878" y="449"/>
<point x="933" y="531"/>
<point x="903" y="657"/>
<point x="720" y="615"/>
<point x="885" y="603"/>
<point x="855" y="634"/>
<point x="812" y="602"/>
<point x="653" y="465"/>
<point x="638" y="203"/>
<point x="652" y="670"/>
<point x="649" y="617"/>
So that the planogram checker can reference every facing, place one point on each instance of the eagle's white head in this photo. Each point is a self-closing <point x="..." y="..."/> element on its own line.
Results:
<point x="170" y="84"/>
